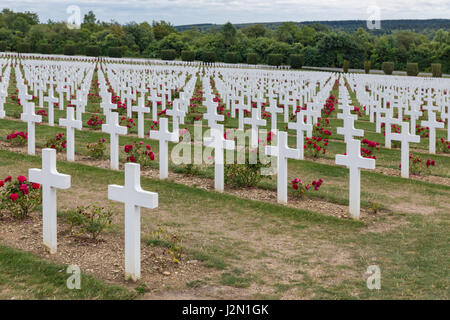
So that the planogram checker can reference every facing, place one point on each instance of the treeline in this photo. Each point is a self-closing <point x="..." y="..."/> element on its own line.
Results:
<point x="312" y="45"/>
<point x="387" y="26"/>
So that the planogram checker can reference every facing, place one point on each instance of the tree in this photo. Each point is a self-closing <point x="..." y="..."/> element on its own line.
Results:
<point x="288" y="32"/>
<point x="229" y="34"/>
<point x="89" y="18"/>
<point x="162" y="29"/>
<point x="254" y="31"/>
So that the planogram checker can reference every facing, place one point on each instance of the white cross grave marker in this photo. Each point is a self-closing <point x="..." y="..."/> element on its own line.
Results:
<point x="164" y="136"/>
<point x="432" y="124"/>
<point x="349" y="131"/>
<point x="282" y="152"/>
<point x="354" y="161"/>
<point x="51" y="99"/>
<point x="114" y="129"/>
<point x="219" y="143"/>
<point x="300" y="126"/>
<point x="405" y="137"/>
<point x="141" y="110"/>
<point x="134" y="198"/>
<point x="50" y="180"/>
<point x="71" y="124"/>
<point x="255" y="121"/>
<point x="31" y="118"/>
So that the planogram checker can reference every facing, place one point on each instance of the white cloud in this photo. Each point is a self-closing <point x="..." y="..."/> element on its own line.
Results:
<point x="181" y="12"/>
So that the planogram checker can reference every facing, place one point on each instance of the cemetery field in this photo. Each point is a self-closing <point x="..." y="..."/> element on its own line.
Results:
<point x="209" y="181"/>
<point x="235" y="248"/>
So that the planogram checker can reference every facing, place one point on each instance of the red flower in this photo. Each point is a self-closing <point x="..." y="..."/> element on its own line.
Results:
<point x="21" y="179"/>
<point x="1" y="183"/>
<point x="36" y="186"/>
<point x="14" y="196"/>
<point x="294" y="186"/>
<point x="8" y="178"/>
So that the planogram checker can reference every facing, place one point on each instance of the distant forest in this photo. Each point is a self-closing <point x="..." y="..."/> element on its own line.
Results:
<point x="321" y="44"/>
<point x="388" y="26"/>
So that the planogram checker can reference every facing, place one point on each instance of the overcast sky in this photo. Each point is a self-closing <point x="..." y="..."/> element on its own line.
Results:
<point x="180" y="12"/>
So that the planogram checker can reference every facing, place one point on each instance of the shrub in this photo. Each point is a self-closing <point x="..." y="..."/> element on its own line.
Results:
<point x="436" y="70"/>
<point x="318" y="143"/>
<point x="388" y="67"/>
<point x="23" y="48"/>
<point x="418" y="167"/>
<point x="97" y="150"/>
<point x="367" y="65"/>
<point x="169" y="54"/>
<point x="208" y="56"/>
<point x="115" y="52"/>
<point x="345" y="66"/>
<point x="128" y="122"/>
<point x="300" y="188"/>
<point x="296" y="61"/>
<point x="3" y="46"/>
<point x="69" y="49"/>
<point x="230" y="57"/>
<point x="244" y="175"/>
<point x="17" y="138"/>
<point x="187" y="55"/>
<point x="92" y="51"/>
<point x="19" y="197"/>
<point x="412" y="69"/>
<point x="58" y="142"/>
<point x="91" y="219"/>
<point x="44" y="48"/>
<point x="139" y="153"/>
<point x="252" y="58"/>
<point x="444" y="146"/>
<point x="95" y="122"/>
<point x="274" y="59"/>
<point x="369" y="148"/>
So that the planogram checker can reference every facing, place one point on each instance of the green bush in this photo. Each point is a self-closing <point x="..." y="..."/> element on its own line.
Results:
<point x="3" y="46"/>
<point x="19" y="197"/>
<point x="23" y="48"/>
<point x="367" y="65"/>
<point x="115" y="52"/>
<point x="388" y="67"/>
<point x="208" y="56"/>
<point x="69" y="49"/>
<point x="412" y="69"/>
<point x="436" y="70"/>
<point x="245" y="175"/>
<point x="187" y="55"/>
<point x="345" y="66"/>
<point x="44" y="48"/>
<point x="252" y="58"/>
<point x="90" y="219"/>
<point x="274" y="59"/>
<point x="230" y="57"/>
<point x="297" y="61"/>
<point x="92" y="51"/>
<point x="97" y="150"/>
<point x="169" y="54"/>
